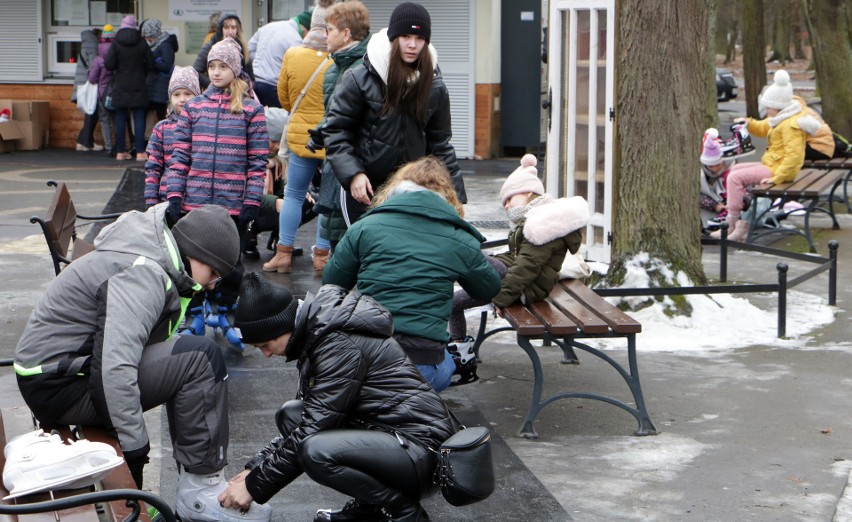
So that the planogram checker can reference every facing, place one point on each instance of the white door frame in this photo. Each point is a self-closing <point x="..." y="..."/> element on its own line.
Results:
<point x="600" y="221"/>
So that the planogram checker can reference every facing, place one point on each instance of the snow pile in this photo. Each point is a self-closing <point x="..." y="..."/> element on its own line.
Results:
<point x="719" y="321"/>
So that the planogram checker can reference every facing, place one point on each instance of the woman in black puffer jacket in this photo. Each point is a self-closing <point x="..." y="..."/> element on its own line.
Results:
<point x="131" y="60"/>
<point x="392" y="109"/>
<point x="367" y="418"/>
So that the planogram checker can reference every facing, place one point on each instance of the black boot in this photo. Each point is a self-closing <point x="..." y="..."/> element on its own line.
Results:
<point x="353" y="511"/>
<point x="407" y="513"/>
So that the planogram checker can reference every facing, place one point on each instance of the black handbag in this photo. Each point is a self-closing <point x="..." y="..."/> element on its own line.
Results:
<point x="465" y="468"/>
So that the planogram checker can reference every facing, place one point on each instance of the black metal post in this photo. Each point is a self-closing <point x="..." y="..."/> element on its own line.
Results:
<point x="723" y="253"/>
<point x="833" y="245"/>
<point x="782" y="299"/>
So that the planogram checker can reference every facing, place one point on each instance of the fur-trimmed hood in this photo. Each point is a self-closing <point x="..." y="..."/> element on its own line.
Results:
<point x="809" y="124"/>
<point x="557" y="219"/>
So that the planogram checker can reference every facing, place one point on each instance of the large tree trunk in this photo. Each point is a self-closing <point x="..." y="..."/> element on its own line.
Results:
<point x="832" y="56"/>
<point x="754" y="69"/>
<point x="666" y="97"/>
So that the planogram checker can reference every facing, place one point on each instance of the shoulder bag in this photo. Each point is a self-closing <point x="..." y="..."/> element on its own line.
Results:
<point x="283" y="149"/>
<point x="465" y="468"/>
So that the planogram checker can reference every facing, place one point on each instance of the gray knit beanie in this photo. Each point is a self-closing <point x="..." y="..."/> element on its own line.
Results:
<point x="265" y="311"/>
<point x="209" y="235"/>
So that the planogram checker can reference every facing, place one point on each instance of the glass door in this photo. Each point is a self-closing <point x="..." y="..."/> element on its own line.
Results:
<point x="581" y="94"/>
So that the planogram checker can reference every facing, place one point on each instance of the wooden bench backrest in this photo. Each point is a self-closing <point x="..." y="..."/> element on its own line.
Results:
<point x="61" y="219"/>
<point x="809" y="183"/>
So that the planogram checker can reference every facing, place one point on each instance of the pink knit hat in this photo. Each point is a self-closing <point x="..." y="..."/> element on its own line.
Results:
<point x="228" y="51"/>
<point x="524" y="179"/>
<point x="128" y="21"/>
<point x="184" y="78"/>
<point x="711" y="148"/>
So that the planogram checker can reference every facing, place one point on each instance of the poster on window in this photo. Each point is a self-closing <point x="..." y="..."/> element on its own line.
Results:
<point x="198" y="10"/>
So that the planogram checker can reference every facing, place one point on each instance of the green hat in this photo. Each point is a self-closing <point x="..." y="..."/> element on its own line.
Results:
<point x="304" y="18"/>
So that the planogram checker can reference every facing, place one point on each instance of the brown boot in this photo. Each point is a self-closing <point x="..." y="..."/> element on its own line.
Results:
<point x="282" y="261"/>
<point x="320" y="256"/>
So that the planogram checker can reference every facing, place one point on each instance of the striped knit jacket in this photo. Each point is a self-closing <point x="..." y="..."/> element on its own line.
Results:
<point x="219" y="158"/>
<point x="160" y="146"/>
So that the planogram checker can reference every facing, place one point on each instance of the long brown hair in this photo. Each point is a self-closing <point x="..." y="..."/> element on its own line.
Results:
<point x="238" y="88"/>
<point x="404" y="97"/>
<point x="430" y="173"/>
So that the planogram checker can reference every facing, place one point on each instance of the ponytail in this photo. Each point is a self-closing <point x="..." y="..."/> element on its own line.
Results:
<point x="238" y="89"/>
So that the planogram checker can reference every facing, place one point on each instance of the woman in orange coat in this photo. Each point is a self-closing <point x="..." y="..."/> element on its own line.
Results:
<point x="299" y="66"/>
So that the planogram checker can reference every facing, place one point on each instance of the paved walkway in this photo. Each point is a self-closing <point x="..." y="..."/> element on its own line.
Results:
<point x="757" y="433"/>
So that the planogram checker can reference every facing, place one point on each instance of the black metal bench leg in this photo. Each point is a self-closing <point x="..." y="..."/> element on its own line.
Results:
<point x="482" y="335"/>
<point x="846" y="181"/>
<point x="646" y="427"/>
<point x="568" y="354"/>
<point x="527" y="430"/>
<point x="810" y="209"/>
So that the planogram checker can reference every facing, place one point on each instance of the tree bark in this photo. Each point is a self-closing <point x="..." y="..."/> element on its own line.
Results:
<point x="754" y="68"/>
<point x="797" y="30"/>
<point x="832" y="54"/>
<point x="781" y="35"/>
<point x="658" y="131"/>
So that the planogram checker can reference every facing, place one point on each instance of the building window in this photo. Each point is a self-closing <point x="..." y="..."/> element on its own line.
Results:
<point x="65" y="13"/>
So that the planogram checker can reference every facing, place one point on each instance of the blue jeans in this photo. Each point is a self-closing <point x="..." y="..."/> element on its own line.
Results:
<point x="300" y="171"/>
<point x="440" y="375"/>
<point x="121" y="121"/>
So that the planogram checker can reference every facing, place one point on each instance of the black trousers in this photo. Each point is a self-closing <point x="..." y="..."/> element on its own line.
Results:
<point x="86" y="136"/>
<point x="369" y="465"/>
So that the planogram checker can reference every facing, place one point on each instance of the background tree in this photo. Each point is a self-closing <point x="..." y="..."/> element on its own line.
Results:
<point x="658" y="130"/>
<point x="727" y="28"/>
<point x="780" y="12"/>
<point x="828" y="21"/>
<point x="754" y="49"/>
<point x="797" y="22"/>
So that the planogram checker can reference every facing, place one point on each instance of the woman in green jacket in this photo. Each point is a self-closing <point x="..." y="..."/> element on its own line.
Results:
<point x="406" y="252"/>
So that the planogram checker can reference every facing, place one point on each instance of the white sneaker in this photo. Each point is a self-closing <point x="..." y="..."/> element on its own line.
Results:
<point x="197" y="501"/>
<point x="82" y="148"/>
<point x="97" y="147"/>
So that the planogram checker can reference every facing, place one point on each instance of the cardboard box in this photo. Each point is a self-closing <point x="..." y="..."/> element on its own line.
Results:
<point x="33" y="117"/>
<point x="10" y="134"/>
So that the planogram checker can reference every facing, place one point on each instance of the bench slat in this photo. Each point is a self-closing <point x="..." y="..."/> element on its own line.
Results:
<point x="826" y="182"/>
<point x="809" y="183"/>
<point x="619" y="321"/>
<point x="523" y="321"/>
<point x="585" y="319"/>
<point x="554" y="320"/>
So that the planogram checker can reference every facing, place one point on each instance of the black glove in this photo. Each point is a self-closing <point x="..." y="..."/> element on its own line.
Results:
<point x="248" y="214"/>
<point x="136" y="465"/>
<point x="174" y="211"/>
<point x="315" y="140"/>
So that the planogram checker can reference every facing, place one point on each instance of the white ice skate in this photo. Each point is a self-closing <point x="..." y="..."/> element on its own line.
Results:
<point x="197" y="501"/>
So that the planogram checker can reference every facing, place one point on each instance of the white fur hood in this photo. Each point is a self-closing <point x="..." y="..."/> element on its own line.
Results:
<point x="809" y="124"/>
<point x="557" y="219"/>
<point x="378" y="52"/>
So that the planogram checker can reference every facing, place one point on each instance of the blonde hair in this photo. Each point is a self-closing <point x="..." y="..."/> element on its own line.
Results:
<point x="238" y="89"/>
<point x="430" y="173"/>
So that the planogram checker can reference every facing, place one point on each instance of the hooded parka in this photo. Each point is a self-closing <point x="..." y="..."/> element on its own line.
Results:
<point x="131" y="60"/>
<point x="359" y="138"/>
<point x="351" y="374"/>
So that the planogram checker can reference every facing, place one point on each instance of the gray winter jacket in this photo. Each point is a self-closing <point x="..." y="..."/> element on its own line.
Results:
<point x="88" y="52"/>
<point x="95" y="319"/>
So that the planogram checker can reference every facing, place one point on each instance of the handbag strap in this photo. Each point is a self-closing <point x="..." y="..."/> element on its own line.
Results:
<point x="307" y="86"/>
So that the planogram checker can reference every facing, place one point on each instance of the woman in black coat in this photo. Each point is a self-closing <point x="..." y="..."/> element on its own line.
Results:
<point x="131" y="60"/>
<point x="229" y="26"/>
<point x="392" y="109"/>
<point x="367" y="419"/>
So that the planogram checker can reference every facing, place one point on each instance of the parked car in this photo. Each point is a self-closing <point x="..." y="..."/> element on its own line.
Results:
<point x="726" y="86"/>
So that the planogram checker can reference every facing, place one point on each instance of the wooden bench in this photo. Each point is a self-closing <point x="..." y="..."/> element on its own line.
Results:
<point x="114" y="499"/>
<point x="60" y="228"/>
<point x="808" y="188"/>
<point x="843" y="164"/>
<point x="573" y="312"/>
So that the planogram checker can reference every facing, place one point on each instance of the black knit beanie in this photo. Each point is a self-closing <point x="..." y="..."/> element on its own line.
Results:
<point x="410" y="18"/>
<point x="265" y="311"/>
<point x="209" y="235"/>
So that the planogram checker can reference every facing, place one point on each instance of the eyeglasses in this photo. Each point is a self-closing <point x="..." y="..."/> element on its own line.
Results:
<point x="330" y="28"/>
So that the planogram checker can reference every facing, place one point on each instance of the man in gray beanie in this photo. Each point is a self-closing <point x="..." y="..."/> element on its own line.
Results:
<point x="100" y="346"/>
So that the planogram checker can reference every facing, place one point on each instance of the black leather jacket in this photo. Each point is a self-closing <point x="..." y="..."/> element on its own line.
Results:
<point x="351" y="372"/>
<point x="358" y="138"/>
